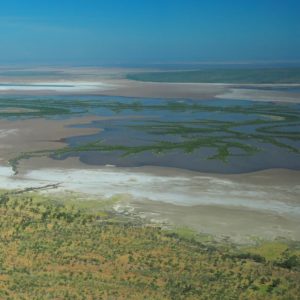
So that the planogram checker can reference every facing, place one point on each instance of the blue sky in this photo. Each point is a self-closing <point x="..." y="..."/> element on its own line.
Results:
<point x="148" y="31"/>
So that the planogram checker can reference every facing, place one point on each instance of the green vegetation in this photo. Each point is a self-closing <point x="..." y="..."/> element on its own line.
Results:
<point x="226" y="138"/>
<point x="238" y="76"/>
<point x="228" y="131"/>
<point x="55" y="250"/>
<point x="29" y="108"/>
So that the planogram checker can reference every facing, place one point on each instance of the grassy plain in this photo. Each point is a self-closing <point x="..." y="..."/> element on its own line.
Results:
<point x="53" y="249"/>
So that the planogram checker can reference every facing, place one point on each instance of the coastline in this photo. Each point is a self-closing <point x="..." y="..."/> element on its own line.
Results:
<point x="220" y="205"/>
<point x="112" y="82"/>
<point x="261" y="204"/>
<point x="128" y="88"/>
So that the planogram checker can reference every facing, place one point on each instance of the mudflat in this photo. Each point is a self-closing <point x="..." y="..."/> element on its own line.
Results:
<point x="221" y="205"/>
<point x="38" y="134"/>
<point x="115" y="82"/>
<point x="262" y="204"/>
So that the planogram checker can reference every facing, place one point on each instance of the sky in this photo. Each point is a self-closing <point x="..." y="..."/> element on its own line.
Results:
<point x="148" y="31"/>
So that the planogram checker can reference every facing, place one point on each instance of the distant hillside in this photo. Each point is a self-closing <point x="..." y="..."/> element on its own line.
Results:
<point x="238" y="76"/>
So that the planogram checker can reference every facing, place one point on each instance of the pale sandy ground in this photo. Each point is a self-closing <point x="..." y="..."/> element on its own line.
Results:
<point x="205" y="91"/>
<point x="128" y="88"/>
<point x="58" y="87"/>
<point x="38" y="134"/>
<point x="260" y="95"/>
<point x="111" y="82"/>
<point x="42" y="134"/>
<point x="263" y="204"/>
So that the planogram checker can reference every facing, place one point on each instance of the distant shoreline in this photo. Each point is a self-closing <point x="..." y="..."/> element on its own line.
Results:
<point x="225" y="76"/>
<point x="56" y="81"/>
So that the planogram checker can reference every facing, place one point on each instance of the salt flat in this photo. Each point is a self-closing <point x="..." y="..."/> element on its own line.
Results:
<point x="263" y="204"/>
<point x="56" y="86"/>
<point x="113" y="82"/>
<point x="183" y="198"/>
